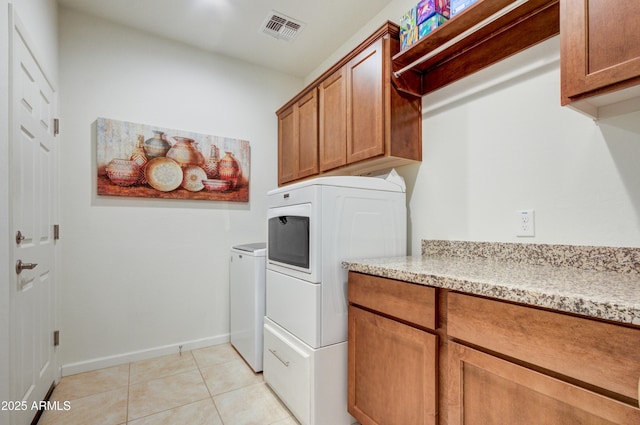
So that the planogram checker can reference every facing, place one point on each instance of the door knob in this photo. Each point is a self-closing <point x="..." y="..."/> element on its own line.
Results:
<point x="19" y="237"/>
<point x="22" y="266"/>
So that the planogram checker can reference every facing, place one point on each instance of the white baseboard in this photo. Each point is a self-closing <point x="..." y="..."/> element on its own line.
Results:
<point x="134" y="356"/>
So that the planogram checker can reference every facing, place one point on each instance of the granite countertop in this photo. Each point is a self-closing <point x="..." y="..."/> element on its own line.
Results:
<point x="609" y="295"/>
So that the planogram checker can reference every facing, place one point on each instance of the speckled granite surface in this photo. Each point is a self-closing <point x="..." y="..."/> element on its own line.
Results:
<point x="574" y="286"/>
<point x="601" y="258"/>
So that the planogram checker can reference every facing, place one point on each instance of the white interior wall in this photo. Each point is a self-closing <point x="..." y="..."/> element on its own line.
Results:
<point x="499" y="141"/>
<point x="142" y="276"/>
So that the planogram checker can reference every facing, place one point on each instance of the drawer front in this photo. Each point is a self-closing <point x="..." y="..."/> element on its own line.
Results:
<point x="405" y="301"/>
<point x="601" y="354"/>
<point x="287" y="370"/>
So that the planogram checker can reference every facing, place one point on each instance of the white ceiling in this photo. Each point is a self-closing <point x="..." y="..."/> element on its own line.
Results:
<point x="233" y="27"/>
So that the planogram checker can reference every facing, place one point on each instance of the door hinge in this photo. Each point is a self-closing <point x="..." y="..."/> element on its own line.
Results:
<point x="56" y="126"/>
<point x="56" y="338"/>
<point x="56" y="232"/>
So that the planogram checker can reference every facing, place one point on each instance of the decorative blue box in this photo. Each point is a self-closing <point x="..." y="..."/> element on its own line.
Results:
<point x="428" y="8"/>
<point x="458" y="6"/>
<point x="408" y="20"/>
<point x="430" y="24"/>
<point x="407" y="38"/>
<point x="408" y="28"/>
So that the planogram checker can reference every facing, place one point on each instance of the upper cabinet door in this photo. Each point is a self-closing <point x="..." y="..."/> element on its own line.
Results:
<point x="365" y="104"/>
<point x="600" y="46"/>
<point x="298" y="139"/>
<point x="333" y="121"/>
<point x="308" y="135"/>
<point x="287" y="146"/>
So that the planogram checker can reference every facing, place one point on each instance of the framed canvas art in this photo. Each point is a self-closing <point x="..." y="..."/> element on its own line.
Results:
<point x="153" y="162"/>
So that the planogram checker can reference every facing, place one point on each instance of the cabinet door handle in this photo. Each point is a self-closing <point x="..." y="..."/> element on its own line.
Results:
<point x="278" y="357"/>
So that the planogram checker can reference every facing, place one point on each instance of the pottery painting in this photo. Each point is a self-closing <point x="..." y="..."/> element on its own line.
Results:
<point x="154" y="162"/>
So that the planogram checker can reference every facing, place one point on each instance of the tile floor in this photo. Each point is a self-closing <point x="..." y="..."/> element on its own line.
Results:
<point x="208" y="386"/>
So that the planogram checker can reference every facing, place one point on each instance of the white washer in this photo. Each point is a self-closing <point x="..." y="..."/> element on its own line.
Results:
<point x="247" y="301"/>
<point x="313" y="226"/>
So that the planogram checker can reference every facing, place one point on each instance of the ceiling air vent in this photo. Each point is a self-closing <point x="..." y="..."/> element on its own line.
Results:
<point x="281" y="26"/>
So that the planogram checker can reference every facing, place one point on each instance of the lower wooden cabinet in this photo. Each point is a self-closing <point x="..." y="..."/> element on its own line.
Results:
<point x="415" y="349"/>
<point x="488" y="390"/>
<point x="601" y="354"/>
<point x="392" y="371"/>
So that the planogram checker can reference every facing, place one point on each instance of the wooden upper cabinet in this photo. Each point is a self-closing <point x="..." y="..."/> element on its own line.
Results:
<point x="333" y="121"/>
<point x="364" y="122"/>
<point x="298" y="139"/>
<point x="308" y="135"/>
<point x="600" y="47"/>
<point x="365" y="104"/>
<point x="287" y="146"/>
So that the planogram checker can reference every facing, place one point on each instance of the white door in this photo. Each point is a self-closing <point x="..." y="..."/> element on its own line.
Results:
<point x="33" y="172"/>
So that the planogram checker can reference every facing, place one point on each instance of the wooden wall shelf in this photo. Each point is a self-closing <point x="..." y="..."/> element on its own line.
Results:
<point x="526" y="25"/>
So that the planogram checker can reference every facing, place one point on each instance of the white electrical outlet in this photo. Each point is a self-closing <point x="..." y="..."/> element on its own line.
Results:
<point x="525" y="225"/>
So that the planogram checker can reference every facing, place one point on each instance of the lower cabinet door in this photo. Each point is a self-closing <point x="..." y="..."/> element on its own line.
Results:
<point x="391" y="371"/>
<point x="486" y="390"/>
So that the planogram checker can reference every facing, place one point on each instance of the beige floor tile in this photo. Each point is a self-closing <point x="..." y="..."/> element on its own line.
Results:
<point x="149" y="397"/>
<point x="159" y="367"/>
<point x="289" y="421"/>
<point x="198" y="413"/>
<point x="90" y="383"/>
<point x="216" y="354"/>
<point x="229" y="376"/>
<point x="253" y="405"/>
<point x="108" y="408"/>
